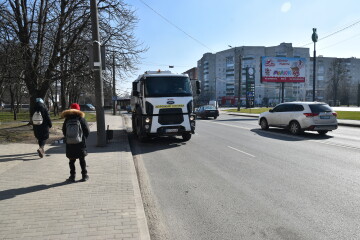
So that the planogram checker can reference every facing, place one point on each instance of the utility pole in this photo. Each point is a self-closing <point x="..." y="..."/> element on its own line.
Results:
<point x="114" y="87"/>
<point x="99" y="93"/>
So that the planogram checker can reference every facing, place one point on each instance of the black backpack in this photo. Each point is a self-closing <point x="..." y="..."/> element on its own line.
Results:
<point x="74" y="131"/>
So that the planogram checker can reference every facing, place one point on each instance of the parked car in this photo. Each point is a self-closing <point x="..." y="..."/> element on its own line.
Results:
<point x="300" y="116"/>
<point x="128" y="108"/>
<point x="87" y="107"/>
<point x="207" y="111"/>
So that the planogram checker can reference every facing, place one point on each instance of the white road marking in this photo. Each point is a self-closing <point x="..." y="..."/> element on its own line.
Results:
<point x="296" y="137"/>
<point x="241" y="151"/>
<point x="231" y="125"/>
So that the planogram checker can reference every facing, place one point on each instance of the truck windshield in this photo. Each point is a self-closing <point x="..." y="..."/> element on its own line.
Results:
<point x="167" y="86"/>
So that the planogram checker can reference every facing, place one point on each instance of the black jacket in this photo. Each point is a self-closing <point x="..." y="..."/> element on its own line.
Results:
<point x="41" y="132"/>
<point x="76" y="150"/>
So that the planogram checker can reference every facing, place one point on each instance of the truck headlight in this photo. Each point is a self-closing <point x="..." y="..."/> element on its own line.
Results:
<point x="192" y="118"/>
<point x="147" y="120"/>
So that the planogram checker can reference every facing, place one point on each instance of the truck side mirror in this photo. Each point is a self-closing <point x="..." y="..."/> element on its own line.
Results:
<point x="198" y="89"/>
<point x="135" y="92"/>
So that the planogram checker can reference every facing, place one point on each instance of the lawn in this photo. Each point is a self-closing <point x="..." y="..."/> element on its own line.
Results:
<point x="341" y="114"/>
<point x="24" y="116"/>
<point x="21" y="131"/>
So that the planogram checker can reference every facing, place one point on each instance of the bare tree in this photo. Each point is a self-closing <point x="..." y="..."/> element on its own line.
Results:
<point x="53" y="36"/>
<point x="336" y="79"/>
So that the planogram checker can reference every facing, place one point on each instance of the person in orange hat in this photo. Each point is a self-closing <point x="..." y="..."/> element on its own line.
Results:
<point x="76" y="131"/>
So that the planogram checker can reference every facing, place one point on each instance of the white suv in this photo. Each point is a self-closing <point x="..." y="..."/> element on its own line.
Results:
<point x="300" y="116"/>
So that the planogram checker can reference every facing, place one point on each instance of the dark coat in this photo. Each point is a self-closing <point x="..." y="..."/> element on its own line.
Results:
<point x="41" y="131"/>
<point x="76" y="150"/>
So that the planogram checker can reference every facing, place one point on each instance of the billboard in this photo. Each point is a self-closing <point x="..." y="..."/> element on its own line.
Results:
<point x="283" y="69"/>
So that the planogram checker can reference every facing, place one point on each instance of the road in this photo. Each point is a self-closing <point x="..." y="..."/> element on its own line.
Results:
<point x="233" y="180"/>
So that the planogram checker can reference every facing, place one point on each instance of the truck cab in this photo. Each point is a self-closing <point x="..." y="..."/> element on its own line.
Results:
<point x="162" y="105"/>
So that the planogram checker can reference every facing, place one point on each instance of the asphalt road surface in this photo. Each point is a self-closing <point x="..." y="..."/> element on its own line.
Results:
<point x="233" y="180"/>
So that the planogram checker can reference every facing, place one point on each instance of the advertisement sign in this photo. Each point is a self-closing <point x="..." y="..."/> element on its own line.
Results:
<point x="283" y="69"/>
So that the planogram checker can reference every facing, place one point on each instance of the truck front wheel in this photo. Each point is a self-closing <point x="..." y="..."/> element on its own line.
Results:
<point x="133" y="122"/>
<point x="186" y="136"/>
<point x="139" y="128"/>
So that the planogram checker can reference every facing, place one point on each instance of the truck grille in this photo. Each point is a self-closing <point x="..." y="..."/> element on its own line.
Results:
<point x="170" y="116"/>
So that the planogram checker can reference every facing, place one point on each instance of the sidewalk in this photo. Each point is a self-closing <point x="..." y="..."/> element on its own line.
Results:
<point x="341" y="122"/>
<point x="37" y="203"/>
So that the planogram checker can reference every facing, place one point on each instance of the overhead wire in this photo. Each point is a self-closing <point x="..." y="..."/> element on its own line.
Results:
<point x="174" y="25"/>
<point x="340" y="42"/>
<point x="331" y="34"/>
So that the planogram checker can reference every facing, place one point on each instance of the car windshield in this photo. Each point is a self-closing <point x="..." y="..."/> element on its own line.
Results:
<point x="316" y="108"/>
<point x="167" y="86"/>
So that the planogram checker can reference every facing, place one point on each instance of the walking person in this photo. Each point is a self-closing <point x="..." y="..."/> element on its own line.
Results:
<point x="41" y="125"/>
<point x="75" y="130"/>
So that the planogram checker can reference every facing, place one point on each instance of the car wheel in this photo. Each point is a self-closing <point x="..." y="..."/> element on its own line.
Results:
<point x="263" y="124"/>
<point x="215" y="117"/>
<point x="295" y="128"/>
<point x="322" y="132"/>
<point x="186" y="136"/>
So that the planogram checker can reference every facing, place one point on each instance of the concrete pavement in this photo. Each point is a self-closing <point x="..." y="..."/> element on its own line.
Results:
<point x="37" y="203"/>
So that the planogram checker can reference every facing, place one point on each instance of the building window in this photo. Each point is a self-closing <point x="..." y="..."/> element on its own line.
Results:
<point x="230" y="62"/>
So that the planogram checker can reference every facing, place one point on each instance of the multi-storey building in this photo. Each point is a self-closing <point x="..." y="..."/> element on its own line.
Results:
<point x="220" y="76"/>
<point x="348" y="89"/>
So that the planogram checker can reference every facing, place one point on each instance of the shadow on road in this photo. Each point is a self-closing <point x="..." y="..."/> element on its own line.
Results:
<point x="154" y="144"/>
<point x="284" y="135"/>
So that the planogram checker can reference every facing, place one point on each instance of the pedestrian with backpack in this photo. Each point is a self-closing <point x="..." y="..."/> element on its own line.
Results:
<point x="41" y="124"/>
<point x="75" y="130"/>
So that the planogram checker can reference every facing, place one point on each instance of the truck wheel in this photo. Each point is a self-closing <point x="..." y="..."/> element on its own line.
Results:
<point x="186" y="136"/>
<point x="133" y="122"/>
<point x="138" y="128"/>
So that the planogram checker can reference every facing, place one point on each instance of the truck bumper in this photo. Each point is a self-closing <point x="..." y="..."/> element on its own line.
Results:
<point x="153" y="127"/>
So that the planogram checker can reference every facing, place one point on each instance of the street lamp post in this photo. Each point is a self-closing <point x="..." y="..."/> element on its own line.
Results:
<point x="314" y="38"/>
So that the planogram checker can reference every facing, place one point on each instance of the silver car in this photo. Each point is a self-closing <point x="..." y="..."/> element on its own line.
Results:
<point x="300" y="116"/>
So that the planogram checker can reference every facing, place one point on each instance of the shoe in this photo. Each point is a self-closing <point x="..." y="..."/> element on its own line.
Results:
<point x="85" y="178"/>
<point x="71" y="179"/>
<point x="40" y="151"/>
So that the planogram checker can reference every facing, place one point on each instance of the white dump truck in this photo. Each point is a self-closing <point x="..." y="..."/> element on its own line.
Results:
<point x="162" y="105"/>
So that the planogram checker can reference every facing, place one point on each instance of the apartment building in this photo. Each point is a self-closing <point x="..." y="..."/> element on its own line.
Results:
<point x="220" y="76"/>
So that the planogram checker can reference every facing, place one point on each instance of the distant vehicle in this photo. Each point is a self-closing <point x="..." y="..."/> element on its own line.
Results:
<point x="300" y="116"/>
<point x="207" y="111"/>
<point x="24" y="107"/>
<point x="87" y="107"/>
<point x="213" y="102"/>
<point x="128" y="108"/>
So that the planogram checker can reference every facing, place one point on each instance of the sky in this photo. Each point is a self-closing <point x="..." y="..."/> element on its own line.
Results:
<point x="179" y="32"/>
